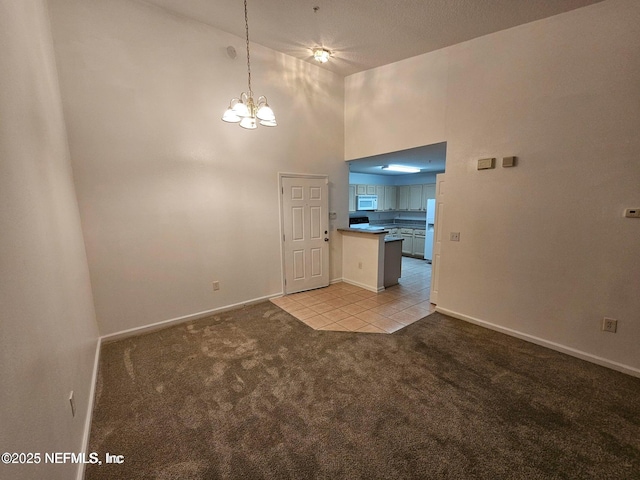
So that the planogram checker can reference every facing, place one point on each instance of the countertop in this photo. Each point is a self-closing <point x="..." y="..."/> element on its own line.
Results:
<point x="387" y="238"/>
<point x="388" y="226"/>
<point x="362" y="230"/>
<point x="393" y="238"/>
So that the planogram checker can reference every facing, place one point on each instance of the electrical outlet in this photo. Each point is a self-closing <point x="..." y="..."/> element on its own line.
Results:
<point x="360" y="265"/>
<point x="454" y="236"/>
<point x="609" y="325"/>
<point x="72" y="401"/>
<point x="216" y="286"/>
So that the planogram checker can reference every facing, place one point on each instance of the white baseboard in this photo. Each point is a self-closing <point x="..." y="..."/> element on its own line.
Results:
<point x="174" y="321"/>
<point x="89" y="416"/>
<point x="362" y="285"/>
<point x="544" y="343"/>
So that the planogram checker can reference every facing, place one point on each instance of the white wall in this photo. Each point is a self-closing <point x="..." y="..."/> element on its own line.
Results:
<point x="171" y="197"/>
<point x="48" y="331"/>
<point x="544" y="249"/>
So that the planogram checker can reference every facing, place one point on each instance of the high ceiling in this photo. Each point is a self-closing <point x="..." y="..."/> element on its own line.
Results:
<point x="364" y="34"/>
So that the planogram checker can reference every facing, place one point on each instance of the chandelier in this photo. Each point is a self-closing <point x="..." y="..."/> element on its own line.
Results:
<point x="245" y="109"/>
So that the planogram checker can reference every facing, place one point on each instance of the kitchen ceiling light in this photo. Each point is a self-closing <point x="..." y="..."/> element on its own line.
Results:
<point x="321" y="54"/>
<point x="400" y="168"/>
<point x="245" y="110"/>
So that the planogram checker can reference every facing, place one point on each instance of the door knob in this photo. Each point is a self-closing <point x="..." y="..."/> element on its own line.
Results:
<point x="326" y="239"/>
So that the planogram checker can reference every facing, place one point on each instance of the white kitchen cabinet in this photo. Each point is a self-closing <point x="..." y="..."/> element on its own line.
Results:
<point x="418" y="243"/>
<point x="361" y="189"/>
<point x="407" y="245"/>
<point x="415" y="198"/>
<point x="428" y="191"/>
<point x="403" y="197"/>
<point x="371" y="189"/>
<point x="390" y="197"/>
<point x="381" y="197"/>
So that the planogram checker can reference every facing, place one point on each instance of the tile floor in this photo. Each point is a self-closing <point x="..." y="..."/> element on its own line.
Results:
<point x="345" y="307"/>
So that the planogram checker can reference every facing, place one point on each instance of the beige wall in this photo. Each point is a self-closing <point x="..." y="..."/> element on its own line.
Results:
<point x="171" y="197"/>
<point x="48" y="331"/>
<point x="544" y="249"/>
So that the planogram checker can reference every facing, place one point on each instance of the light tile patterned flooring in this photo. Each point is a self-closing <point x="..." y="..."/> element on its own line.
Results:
<point x="345" y="307"/>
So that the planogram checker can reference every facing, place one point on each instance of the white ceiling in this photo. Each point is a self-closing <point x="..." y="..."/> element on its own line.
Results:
<point x="364" y="34"/>
<point x="430" y="159"/>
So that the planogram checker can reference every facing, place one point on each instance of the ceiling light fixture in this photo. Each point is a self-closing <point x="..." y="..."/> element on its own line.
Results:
<point x="400" y="168"/>
<point x="244" y="109"/>
<point x="321" y="54"/>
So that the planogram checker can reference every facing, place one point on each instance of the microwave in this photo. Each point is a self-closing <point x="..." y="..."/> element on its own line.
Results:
<point x="367" y="202"/>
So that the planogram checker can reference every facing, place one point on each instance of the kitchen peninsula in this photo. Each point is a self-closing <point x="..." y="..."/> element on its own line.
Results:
<point x="371" y="259"/>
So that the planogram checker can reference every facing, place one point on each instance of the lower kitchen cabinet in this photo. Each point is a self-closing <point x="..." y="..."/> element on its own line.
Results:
<point x="418" y="243"/>
<point x="414" y="240"/>
<point x="407" y="245"/>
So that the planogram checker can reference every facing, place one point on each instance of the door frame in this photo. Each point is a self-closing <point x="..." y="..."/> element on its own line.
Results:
<point x="281" y="176"/>
<point x="436" y="261"/>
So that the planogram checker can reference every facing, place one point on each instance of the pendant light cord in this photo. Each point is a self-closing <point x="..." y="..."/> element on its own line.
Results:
<point x="246" y="24"/>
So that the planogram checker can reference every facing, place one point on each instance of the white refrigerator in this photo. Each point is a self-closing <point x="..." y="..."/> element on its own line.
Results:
<point x="431" y="220"/>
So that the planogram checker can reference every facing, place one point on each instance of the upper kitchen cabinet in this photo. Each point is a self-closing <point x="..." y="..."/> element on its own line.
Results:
<point x="403" y="198"/>
<point x="428" y="191"/>
<point x="365" y="189"/>
<point x="410" y="198"/>
<point x="415" y="198"/>
<point x="390" y="197"/>
<point x="381" y="196"/>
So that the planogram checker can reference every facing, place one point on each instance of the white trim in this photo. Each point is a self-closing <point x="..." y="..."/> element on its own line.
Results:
<point x="362" y="285"/>
<point x="281" y="176"/>
<point x="89" y="415"/>
<point x="174" y="321"/>
<point x="635" y="372"/>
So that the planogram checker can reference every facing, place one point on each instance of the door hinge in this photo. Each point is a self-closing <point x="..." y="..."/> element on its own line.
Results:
<point x="283" y="238"/>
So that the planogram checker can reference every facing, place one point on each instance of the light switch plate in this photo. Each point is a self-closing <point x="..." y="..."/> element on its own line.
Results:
<point x="454" y="236"/>
<point x="508" y="161"/>
<point x="486" y="163"/>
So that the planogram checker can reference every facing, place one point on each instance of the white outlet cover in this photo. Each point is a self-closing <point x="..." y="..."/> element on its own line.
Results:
<point x="632" y="213"/>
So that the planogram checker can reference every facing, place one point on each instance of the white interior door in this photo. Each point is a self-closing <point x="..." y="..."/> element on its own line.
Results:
<point x="305" y="222"/>
<point x="437" y="244"/>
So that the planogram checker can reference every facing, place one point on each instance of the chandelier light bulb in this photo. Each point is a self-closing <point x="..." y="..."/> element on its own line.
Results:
<point x="249" y="123"/>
